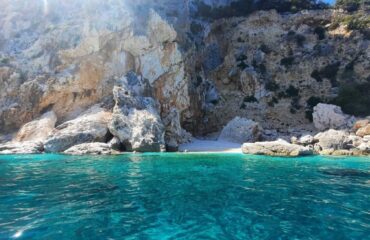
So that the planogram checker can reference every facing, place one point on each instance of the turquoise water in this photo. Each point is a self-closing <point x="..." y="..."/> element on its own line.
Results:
<point x="184" y="196"/>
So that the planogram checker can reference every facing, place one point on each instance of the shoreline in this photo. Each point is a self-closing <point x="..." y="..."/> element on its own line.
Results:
<point x="210" y="146"/>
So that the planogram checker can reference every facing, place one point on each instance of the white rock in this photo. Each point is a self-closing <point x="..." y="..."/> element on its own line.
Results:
<point x="327" y="116"/>
<point x="365" y="146"/>
<point x="275" y="148"/>
<point x="136" y="121"/>
<point x="241" y="130"/>
<point x="95" y="148"/>
<point x="37" y="130"/>
<point x="331" y="139"/>
<point x="21" y="148"/>
<point x="306" y="140"/>
<point x="91" y="126"/>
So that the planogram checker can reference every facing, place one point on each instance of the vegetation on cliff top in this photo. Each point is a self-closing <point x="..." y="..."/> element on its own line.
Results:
<point x="241" y="8"/>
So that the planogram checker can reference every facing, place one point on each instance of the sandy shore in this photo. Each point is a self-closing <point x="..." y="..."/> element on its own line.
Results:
<point x="210" y="146"/>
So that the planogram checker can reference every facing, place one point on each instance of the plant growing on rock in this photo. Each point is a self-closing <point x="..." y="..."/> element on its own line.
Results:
<point x="287" y="61"/>
<point x="354" y="98"/>
<point x="320" y="32"/>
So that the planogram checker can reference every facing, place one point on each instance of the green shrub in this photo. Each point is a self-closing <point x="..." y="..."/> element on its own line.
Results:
<point x="316" y="75"/>
<point x="273" y="101"/>
<point x="290" y="5"/>
<point x="295" y="104"/>
<point x="239" y="8"/>
<point x="354" y="98"/>
<point x="250" y="99"/>
<point x="330" y="72"/>
<point x="320" y="32"/>
<point x="300" y="39"/>
<point x="5" y="61"/>
<point x="313" y="101"/>
<point x="242" y="65"/>
<point x="292" y="91"/>
<point x="355" y="22"/>
<point x="287" y="61"/>
<point x="241" y="57"/>
<point x="272" y="86"/>
<point x="349" y="5"/>
<point x="359" y="22"/>
<point x="310" y="104"/>
<point x="264" y="48"/>
<point x="196" y="28"/>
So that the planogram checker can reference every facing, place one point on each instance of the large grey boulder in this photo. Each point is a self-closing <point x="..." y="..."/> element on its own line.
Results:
<point x="276" y="148"/>
<point x="241" y="130"/>
<point x="95" y="148"/>
<point x="136" y="121"/>
<point x="331" y="139"/>
<point x="32" y="147"/>
<point x="328" y="116"/>
<point x="37" y="130"/>
<point x="91" y="126"/>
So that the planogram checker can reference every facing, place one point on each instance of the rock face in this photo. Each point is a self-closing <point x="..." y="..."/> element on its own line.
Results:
<point x="275" y="148"/>
<point x="198" y="66"/>
<point x="136" y="121"/>
<point x="37" y="130"/>
<point x="90" y="149"/>
<point x="21" y="148"/>
<point x="327" y="116"/>
<point x="241" y="130"/>
<point x="91" y="126"/>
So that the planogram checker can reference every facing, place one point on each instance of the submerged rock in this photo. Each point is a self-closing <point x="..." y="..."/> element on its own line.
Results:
<point x="345" y="172"/>
<point x="37" y="130"/>
<point x="276" y="148"/>
<point x="91" y="126"/>
<point x="95" y="148"/>
<point x="21" y="148"/>
<point x="241" y="130"/>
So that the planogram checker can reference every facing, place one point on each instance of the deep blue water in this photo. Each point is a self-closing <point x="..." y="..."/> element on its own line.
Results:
<point x="184" y="196"/>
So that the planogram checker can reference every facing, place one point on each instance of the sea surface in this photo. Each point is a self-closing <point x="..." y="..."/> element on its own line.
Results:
<point x="184" y="196"/>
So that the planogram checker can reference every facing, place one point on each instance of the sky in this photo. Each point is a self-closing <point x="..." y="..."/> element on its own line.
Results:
<point x="329" y="1"/>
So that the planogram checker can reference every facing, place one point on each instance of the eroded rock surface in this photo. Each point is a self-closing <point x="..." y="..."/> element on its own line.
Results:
<point x="37" y="130"/>
<point x="185" y="72"/>
<point x="331" y="139"/>
<point x="276" y="148"/>
<point x="328" y="116"/>
<point x="241" y="130"/>
<point x="135" y="120"/>
<point x="91" y="149"/>
<point x="91" y="126"/>
<point x="21" y="148"/>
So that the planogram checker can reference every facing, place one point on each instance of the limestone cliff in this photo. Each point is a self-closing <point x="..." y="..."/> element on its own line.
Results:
<point x="199" y="73"/>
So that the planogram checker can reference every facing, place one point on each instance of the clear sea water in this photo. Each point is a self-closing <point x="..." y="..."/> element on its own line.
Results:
<point x="184" y="196"/>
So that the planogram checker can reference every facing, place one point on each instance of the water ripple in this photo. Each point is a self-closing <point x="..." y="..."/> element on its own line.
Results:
<point x="174" y="196"/>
